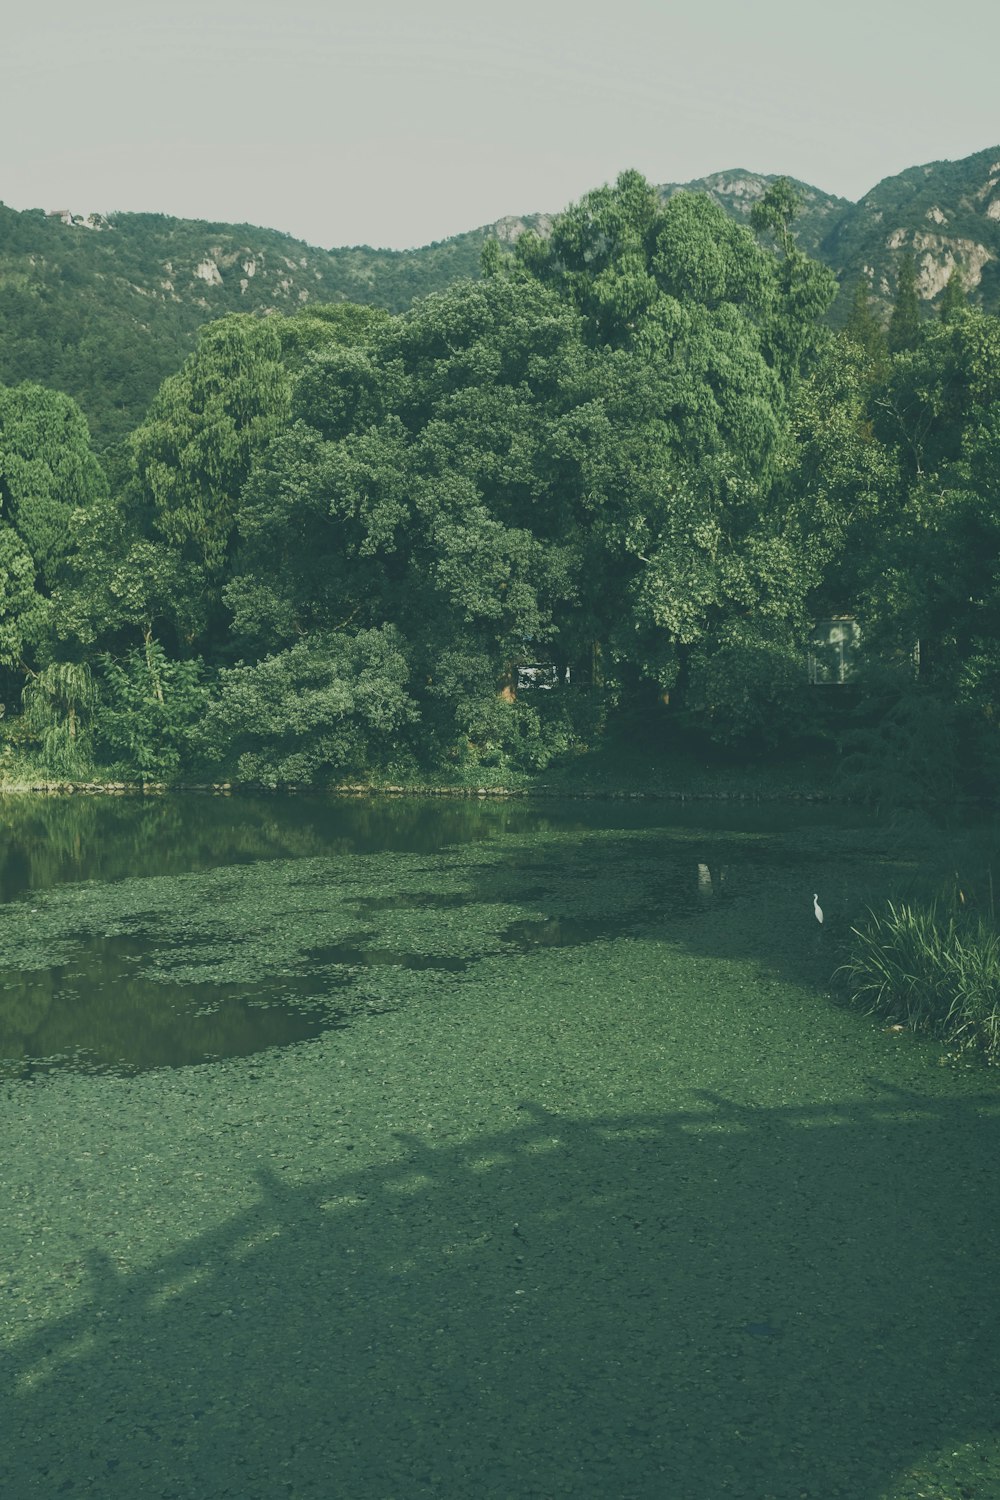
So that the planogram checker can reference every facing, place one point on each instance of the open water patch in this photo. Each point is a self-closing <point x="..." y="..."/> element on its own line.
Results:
<point x="103" y="1013"/>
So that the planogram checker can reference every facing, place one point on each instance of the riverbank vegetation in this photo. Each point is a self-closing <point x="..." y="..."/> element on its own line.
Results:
<point x="931" y="970"/>
<point x="601" y="496"/>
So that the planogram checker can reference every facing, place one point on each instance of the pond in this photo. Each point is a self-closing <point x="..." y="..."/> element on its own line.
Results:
<point x="147" y="933"/>
<point x="439" y="1148"/>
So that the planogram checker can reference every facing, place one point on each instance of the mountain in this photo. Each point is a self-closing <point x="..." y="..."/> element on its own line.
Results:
<point x="946" y="213"/>
<point x="738" y="191"/>
<point x="106" y="307"/>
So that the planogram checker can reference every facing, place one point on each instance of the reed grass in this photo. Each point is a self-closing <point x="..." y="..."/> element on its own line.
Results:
<point x="933" y="971"/>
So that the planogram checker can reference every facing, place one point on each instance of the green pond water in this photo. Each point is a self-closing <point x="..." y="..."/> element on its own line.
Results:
<point x="402" y="1149"/>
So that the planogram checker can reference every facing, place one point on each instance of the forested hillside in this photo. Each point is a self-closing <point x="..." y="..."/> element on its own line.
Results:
<point x="105" y="308"/>
<point x="633" y="451"/>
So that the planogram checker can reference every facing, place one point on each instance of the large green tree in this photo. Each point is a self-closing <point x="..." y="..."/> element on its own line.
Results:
<point x="581" y="450"/>
<point x="192" y="454"/>
<point x="942" y="559"/>
<point x="702" y="337"/>
<point x="49" y="478"/>
<point x="47" y="471"/>
<point x="408" y="489"/>
<point x="154" y="562"/>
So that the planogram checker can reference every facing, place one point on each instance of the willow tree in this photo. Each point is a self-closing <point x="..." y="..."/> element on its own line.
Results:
<point x="58" y="712"/>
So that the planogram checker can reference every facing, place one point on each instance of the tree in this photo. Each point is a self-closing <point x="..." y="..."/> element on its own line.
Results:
<point x="776" y="212"/>
<point x="689" y="433"/>
<point x="598" y="255"/>
<point x="862" y="326"/>
<point x="22" y="608"/>
<point x="332" y="704"/>
<point x="122" y="587"/>
<point x="192" y="454"/>
<point x="583" y="447"/>
<point x="407" y="492"/>
<point x="58" y="707"/>
<point x="47" y="471"/>
<point x="48" y="477"/>
<point x="150" y="709"/>
<point x="905" y="322"/>
<point x="953" y="300"/>
<point x="931" y="572"/>
<point x="845" y="493"/>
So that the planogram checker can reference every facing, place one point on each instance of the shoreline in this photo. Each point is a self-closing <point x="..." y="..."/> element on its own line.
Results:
<point x="259" y="789"/>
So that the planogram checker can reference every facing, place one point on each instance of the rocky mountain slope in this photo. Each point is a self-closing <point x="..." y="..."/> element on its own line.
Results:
<point x="106" y="307"/>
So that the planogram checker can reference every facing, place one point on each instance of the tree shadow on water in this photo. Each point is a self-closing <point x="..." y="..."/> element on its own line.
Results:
<point x="716" y="1302"/>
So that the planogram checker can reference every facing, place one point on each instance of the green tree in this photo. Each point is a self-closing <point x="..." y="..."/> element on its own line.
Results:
<point x="863" y="327"/>
<point x="598" y="254"/>
<point x="122" y="587"/>
<point x="150" y="710"/>
<point x="931" y="574"/>
<point x="776" y="212"/>
<point x="690" y="432"/>
<point x="953" y="302"/>
<point x="23" y="613"/>
<point x="582" y="448"/>
<point x="58" y="710"/>
<point x="905" y="322"/>
<point x="192" y="454"/>
<point x="331" y="705"/>
<point x="48" y="477"/>
<point x="407" y="493"/>
<point x="47" y="471"/>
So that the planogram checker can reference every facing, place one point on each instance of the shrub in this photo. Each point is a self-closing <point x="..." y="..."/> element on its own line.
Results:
<point x="933" y="973"/>
<point x="903" y="751"/>
<point x="150" y="710"/>
<point x="329" y="705"/>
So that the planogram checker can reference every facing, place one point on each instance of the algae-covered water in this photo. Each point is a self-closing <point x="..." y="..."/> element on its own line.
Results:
<point x="406" y="1149"/>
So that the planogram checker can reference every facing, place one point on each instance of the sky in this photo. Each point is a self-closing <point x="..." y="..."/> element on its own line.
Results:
<point x="398" y="122"/>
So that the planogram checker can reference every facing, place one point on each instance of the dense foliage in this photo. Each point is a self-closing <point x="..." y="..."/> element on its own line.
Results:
<point x="630" y="461"/>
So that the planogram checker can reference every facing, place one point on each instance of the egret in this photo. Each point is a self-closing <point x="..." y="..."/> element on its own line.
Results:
<point x="817" y="909"/>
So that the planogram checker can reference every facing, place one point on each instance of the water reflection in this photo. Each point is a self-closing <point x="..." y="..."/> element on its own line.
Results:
<point x="98" y="1014"/>
<point x="48" y="840"/>
<point x="105" y="1012"/>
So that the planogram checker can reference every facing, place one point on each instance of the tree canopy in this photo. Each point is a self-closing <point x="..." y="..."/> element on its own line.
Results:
<point x="632" y="450"/>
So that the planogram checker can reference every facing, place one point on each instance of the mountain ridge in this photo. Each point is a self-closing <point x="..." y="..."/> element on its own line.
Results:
<point x="105" y="306"/>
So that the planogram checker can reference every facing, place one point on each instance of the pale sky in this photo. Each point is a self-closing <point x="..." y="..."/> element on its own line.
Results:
<point x="391" y="123"/>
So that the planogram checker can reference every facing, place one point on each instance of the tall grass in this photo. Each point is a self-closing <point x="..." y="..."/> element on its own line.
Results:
<point x="933" y="972"/>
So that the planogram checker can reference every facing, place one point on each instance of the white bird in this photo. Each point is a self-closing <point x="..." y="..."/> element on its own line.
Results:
<point x="817" y="909"/>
